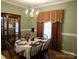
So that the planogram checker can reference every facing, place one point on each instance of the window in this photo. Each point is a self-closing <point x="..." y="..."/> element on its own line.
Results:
<point x="16" y="27"/>
<point x="47" y="29"/>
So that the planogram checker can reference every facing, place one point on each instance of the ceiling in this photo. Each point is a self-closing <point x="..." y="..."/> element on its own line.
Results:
<point x="34" y="3"/>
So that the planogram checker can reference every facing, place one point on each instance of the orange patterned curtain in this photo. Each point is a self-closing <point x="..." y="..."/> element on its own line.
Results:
<point x="53" y="16"/>
<point x="40" y="29"/>
<point x="43" y="16"/>
<point x="56" y="40"/>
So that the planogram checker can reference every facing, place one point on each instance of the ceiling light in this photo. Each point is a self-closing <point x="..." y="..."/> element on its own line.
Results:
<point x="31" y="13"/>
<point x="26" y="11"/>
<point x="37" y="12"/>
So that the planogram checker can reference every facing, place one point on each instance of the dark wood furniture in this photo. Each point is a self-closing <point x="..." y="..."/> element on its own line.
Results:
<point x="10" y="27"/>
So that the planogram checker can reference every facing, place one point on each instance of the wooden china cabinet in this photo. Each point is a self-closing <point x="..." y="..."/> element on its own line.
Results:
<point x="10" y="27"/>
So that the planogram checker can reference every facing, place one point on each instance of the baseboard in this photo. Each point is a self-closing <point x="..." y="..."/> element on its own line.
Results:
<point x="67" y="52"/>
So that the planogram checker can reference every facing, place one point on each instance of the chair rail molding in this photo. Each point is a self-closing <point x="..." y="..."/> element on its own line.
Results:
<point x="69" y="34"/>
<point x="27" y="30"/>
<point x="65" y="34"/>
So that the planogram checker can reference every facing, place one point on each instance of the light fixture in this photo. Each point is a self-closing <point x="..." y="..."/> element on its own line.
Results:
<point x="31" y="12"/>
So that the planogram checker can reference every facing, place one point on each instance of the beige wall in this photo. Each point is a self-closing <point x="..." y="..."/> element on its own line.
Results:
<point x="69" y="25"/>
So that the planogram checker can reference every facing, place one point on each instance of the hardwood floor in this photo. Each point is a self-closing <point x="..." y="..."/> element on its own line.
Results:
<point x="60" y="55"/>
<point x="52" y="55"/>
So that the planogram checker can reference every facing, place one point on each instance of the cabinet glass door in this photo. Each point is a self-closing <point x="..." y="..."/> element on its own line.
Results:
<point x="3" y="28"/>
<point x="11" y="29"/>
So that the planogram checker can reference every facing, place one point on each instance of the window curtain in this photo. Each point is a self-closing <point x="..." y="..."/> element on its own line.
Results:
<point x="40" y="29"/>
<point x="56" y="40"/>
<point x="55" y="17"/>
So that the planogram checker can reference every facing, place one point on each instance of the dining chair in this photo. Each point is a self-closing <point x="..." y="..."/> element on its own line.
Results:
<point x="46" y="46"/>
<point x="35" y="49"/>
<point x="45" y="37"/>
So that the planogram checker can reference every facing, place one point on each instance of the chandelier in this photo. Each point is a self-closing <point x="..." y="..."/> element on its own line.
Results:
<point x="31" y="12"/>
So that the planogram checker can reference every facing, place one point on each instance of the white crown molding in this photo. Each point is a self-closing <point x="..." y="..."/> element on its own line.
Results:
<point x="55" y="3"/>
<point x="43" y="5"/>
<point x="13" y="3"/>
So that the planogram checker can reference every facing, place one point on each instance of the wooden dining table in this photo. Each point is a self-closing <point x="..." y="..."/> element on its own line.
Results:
<point x="23" y="45"/>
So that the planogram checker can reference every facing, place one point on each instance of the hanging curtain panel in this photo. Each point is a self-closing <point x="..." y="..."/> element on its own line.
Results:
<point x="56" y="42"/>
<point x="40" y="29"/>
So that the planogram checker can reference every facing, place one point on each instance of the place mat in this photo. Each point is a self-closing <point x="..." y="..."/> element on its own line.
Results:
<point x="21" y="43"/>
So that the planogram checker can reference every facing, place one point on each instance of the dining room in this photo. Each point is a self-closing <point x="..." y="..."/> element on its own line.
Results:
<point x="44" y="29"/>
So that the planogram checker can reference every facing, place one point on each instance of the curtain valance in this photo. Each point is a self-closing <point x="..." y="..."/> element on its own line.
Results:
<point x="53" y="16"/>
